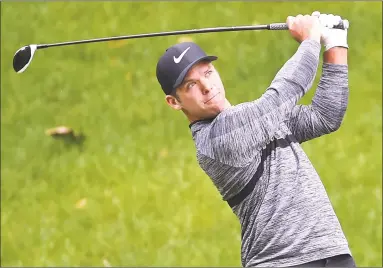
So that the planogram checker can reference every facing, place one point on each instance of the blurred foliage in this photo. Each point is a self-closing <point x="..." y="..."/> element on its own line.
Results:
<point x="132" y="194"/>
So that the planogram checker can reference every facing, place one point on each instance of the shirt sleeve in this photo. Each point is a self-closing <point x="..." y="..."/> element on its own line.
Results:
<point x="248" y="127"/>
<point x="325" y="114"/>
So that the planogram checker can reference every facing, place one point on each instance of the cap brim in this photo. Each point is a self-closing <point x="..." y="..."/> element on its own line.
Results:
<point x="182" y="75"/>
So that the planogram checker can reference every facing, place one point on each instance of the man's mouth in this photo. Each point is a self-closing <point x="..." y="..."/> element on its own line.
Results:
<point x="211" y="98"/>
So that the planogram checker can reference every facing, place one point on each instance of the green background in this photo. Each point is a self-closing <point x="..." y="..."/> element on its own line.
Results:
<point x="132" y="193"/>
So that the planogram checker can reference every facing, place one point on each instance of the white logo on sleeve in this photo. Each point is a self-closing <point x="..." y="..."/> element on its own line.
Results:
<point x="179" y="58"/>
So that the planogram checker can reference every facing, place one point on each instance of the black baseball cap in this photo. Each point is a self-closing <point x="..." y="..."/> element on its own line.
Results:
<point x="177" y="60"/>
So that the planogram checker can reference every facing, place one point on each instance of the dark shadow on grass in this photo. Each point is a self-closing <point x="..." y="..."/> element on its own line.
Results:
<point x="71" y="140"/>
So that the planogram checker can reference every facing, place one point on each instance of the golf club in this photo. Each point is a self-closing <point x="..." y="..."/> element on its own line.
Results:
<point x="23" y="57"/>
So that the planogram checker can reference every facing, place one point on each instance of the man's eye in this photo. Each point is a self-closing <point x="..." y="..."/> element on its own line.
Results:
<point x="190" y="85"/>
<point x="209" y="72"/>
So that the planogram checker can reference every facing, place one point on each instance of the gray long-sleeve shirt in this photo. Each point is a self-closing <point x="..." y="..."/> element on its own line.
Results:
<point x="252" y="154"/>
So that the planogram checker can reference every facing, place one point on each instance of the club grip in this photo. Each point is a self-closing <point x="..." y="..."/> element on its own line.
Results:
<point x="344" y="24"/>
<point x="278" y="26"/>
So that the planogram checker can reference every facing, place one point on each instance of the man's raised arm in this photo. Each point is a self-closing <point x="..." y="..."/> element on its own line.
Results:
<point x="326" y="112"/>
<point x="260" y="119"/>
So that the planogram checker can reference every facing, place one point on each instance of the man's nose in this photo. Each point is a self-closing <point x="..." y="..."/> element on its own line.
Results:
<point x="206" y="85"/>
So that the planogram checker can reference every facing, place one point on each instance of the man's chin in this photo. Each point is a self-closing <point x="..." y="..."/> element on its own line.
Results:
<point x="215" y="110"/>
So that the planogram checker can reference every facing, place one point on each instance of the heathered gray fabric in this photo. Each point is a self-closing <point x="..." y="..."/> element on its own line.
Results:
<point x="288" y="218"/>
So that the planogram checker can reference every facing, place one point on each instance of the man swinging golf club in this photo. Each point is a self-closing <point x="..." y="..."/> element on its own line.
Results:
<point x="252" y="151"/>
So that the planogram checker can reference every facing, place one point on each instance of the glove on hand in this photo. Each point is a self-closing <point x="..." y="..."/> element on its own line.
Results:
<point x="331" y="37"/>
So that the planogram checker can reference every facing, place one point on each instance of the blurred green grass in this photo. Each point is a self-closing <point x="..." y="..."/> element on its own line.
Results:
<point x="133" y="194"/>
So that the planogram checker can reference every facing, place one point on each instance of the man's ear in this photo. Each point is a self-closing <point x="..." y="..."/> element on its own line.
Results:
<point x="173" y="102"/>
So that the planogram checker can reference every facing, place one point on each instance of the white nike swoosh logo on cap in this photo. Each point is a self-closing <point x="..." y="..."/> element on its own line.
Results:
<point x="179" y="58"/>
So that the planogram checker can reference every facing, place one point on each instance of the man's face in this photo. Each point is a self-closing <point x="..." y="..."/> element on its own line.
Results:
<point x="201" y="95"/>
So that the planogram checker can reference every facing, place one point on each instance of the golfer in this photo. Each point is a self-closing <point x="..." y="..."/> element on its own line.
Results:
<point x="252" y="152"/>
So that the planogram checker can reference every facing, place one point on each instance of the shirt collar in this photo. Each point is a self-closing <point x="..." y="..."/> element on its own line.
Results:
<point x="197" y="125"/>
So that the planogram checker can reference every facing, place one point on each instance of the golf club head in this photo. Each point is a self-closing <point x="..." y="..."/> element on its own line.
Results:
<point x="23" y="58"/>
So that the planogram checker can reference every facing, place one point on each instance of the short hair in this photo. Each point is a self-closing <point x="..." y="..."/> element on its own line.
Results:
<point x="175" y="95"/>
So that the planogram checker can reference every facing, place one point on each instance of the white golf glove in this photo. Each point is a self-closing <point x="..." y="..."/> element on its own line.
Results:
<point x="331" y="37"/>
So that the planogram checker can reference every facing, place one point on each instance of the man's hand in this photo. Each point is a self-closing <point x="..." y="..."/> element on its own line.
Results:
<point x="304" y="27"/>
<point x="331" y="37"/>
<point x="334" y="40"/>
